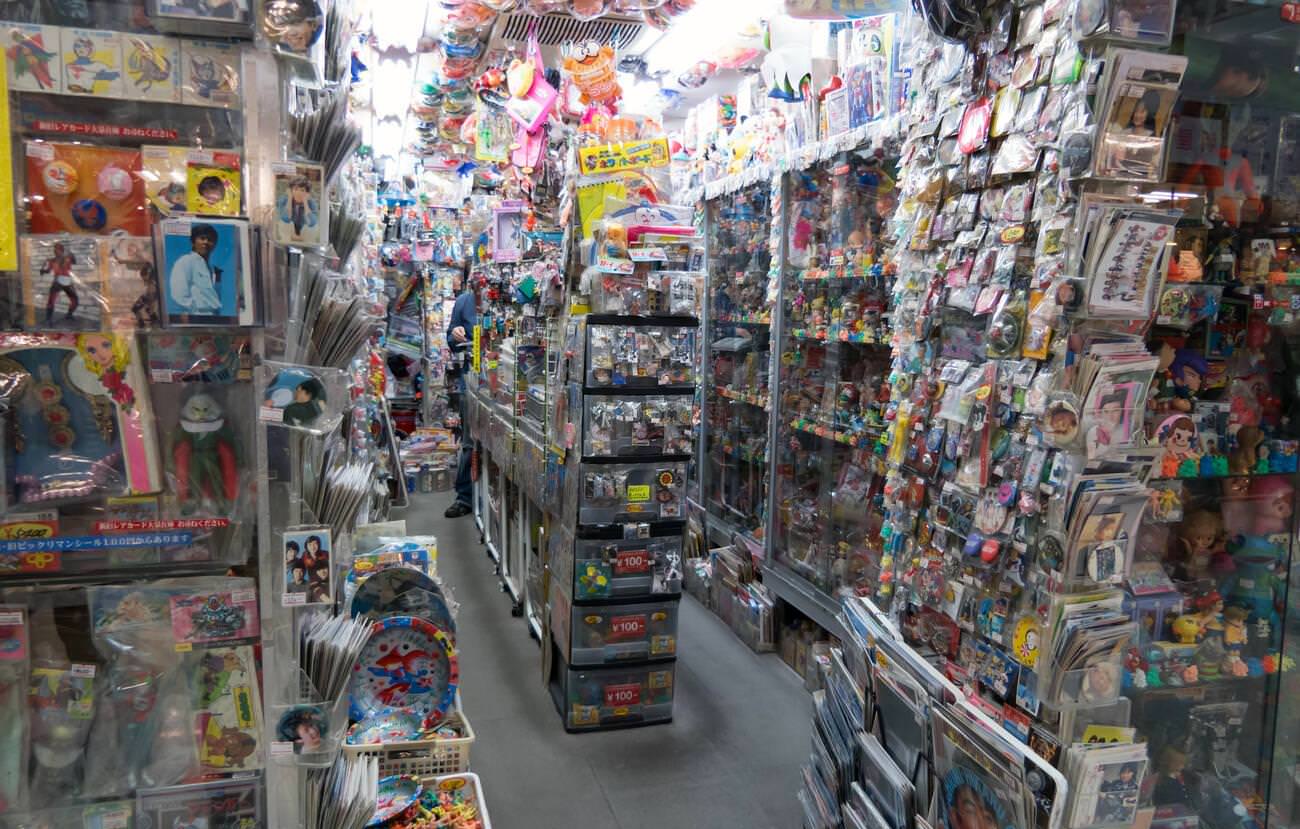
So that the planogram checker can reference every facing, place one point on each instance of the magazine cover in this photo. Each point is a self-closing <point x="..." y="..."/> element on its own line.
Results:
<point x="975" y="788"/>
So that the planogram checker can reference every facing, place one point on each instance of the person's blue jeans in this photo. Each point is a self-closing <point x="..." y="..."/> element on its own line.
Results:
<point x="464" y="478"/>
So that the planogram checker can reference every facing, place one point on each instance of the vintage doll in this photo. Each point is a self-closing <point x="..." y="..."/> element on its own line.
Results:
<point x="1245" y="458"/>
<point x="1199" y="536"/>
<point x="1235" y="637"/>
<point x="1257" y="556"/>
<point x="203" y="453"/>
<point x="1208" y="609"/>
<point x="1174" y="785"/>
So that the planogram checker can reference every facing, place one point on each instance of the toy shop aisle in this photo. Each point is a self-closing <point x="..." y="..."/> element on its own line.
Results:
<point x="729" y="759"/>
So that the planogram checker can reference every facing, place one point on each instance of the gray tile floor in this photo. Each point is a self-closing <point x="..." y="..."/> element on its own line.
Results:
<point x="730" y="758"/>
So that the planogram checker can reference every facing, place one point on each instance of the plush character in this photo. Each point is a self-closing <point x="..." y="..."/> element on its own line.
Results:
<point x="204" y="455"/>
<point x="1255" y="581"/>
<point x="591" y="66"/>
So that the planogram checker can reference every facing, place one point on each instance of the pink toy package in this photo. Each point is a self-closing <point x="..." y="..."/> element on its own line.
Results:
<point x="217" y="616"/>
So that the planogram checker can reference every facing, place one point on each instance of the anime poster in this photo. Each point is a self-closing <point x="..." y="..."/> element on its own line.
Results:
<point x="153" y="67"/>
<point x="92" y="63"/>
<point x="32" y="58"/>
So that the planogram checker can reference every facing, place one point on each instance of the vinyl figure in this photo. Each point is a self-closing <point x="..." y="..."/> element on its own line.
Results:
<point x="204" y="453"/>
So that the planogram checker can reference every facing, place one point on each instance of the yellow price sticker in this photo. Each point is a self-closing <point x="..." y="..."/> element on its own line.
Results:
<point x="638" y="493"/>
<point x="184" y="647"/>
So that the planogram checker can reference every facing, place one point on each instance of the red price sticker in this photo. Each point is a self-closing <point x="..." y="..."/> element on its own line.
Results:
<point x="619" y="696"/>
<point x="631" y="561"/>
<point x="1291" y="12"/>
<point x="627" y="627"/>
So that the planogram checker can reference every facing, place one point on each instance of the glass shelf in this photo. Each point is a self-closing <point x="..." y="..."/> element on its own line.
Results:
<point x="834" y="365"/>
<point x="739" y="333"/>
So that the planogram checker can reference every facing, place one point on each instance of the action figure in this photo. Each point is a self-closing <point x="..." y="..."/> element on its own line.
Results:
<point x="204" y="453"/>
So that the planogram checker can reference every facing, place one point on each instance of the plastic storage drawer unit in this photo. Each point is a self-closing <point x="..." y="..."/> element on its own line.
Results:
<point x="596" y="698"/>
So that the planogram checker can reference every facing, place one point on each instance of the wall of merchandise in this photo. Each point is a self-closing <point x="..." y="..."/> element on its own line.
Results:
<point x="202" y="591"/>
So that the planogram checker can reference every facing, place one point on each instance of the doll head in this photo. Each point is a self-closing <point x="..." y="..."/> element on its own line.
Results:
<point x="1272" y="501"/>
<point x="103" y="352"/>
<point x="1200" y="530"/>
<point x="1178" y="435"/>
<point x="1188" y="370"/>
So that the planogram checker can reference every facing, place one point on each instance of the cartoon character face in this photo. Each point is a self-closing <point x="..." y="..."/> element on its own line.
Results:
<point x="83" y="47"/>
<point x="99" y="349"/>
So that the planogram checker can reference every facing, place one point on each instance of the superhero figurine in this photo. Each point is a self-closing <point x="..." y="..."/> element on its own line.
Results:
<point x="204" y="454"/>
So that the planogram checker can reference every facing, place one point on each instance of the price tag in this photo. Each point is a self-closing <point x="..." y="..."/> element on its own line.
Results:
<point x="11" y="618"/>
<point x="82" y="670"/>
<point x="200" y="157"/>
<point x="281" y="748"/>
<point x="627" y="627"/>
<point x="615" y="265"/>
<point x="638" y="493"/>
<point x="119" y="818"/>
<point x="631" y="561"/>
<point x="40" y="150"/>
<point x="648" y="254"/>
<point x="243" y="596"/>
<point x="184" y="647"/>
<point x="270" y="414"/>
<point x="162" y="375"/>
<point x="293" y="599"/>
<point x="617" y="696"/>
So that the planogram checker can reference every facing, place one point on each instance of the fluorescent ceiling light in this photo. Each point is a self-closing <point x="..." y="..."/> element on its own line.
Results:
<point x="398" y="23"/>
<point x="699" y="33"/>
<point x="392" y="82"/>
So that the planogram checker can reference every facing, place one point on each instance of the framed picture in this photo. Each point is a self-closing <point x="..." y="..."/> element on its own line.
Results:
<point x="300" y="206"/>
<point x="307" y="571"/>
<point x="62" y="286"/>
<point x="206" y="271"/>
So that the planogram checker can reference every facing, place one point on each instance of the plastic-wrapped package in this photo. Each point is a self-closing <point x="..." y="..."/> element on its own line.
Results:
<point x="307" y="398"/>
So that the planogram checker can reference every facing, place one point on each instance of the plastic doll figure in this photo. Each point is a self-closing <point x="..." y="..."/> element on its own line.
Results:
<point x="307" y="403"/>
<point x="83" y="71"/>
<point x="59" y="267"/>
<point x="204" y="456"/>
<point x="193" y="281"/>
<point x="1187" y="375"/>
<point x="1174" y="785"/>
<point x="1199" y="536"/>
<point x="298" y="208"/>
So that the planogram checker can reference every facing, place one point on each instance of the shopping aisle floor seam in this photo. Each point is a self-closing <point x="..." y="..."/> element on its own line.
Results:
<point x="730" y="758"/>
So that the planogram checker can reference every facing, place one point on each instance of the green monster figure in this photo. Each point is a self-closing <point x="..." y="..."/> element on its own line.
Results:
<point x="204" y="453"/>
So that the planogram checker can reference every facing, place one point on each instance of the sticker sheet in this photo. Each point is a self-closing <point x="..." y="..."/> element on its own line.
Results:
<point x="92" y="63"/>
<point x="210" y="74"/>
<point x="214" y="617"/>
<point x="228" y="715"/>
<point x="153" y="67"/>
<point x="62" y="290"/>
<point x="32" y="58"/>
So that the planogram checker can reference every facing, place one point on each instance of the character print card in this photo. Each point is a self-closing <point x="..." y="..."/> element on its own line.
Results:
<point x="210" y="74"/>
<point x="219" y="616"/>
<point x="92" y="63"/>
<point x="153" y="67"/>
<point x="61" y="283"/>
<point x="32" y="57"/>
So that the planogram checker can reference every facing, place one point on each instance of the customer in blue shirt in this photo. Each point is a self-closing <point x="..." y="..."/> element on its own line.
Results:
<point x="464" y="316"/>
<point x="193" y="281"/>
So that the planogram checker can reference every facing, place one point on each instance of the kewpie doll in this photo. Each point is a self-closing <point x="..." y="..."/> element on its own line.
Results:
<point x="1199" y="535"/>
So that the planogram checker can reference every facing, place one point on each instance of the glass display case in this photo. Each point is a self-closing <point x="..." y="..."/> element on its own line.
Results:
<point x="737" y="390"/>
<point x="834" y="364"/>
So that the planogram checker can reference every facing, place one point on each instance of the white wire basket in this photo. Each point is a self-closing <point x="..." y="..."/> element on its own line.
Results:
<point x="452" y="782"/>
<point x="423" y="758"/>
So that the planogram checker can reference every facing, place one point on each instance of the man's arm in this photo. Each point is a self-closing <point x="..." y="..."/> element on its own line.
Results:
<point x="180" y="283"/>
